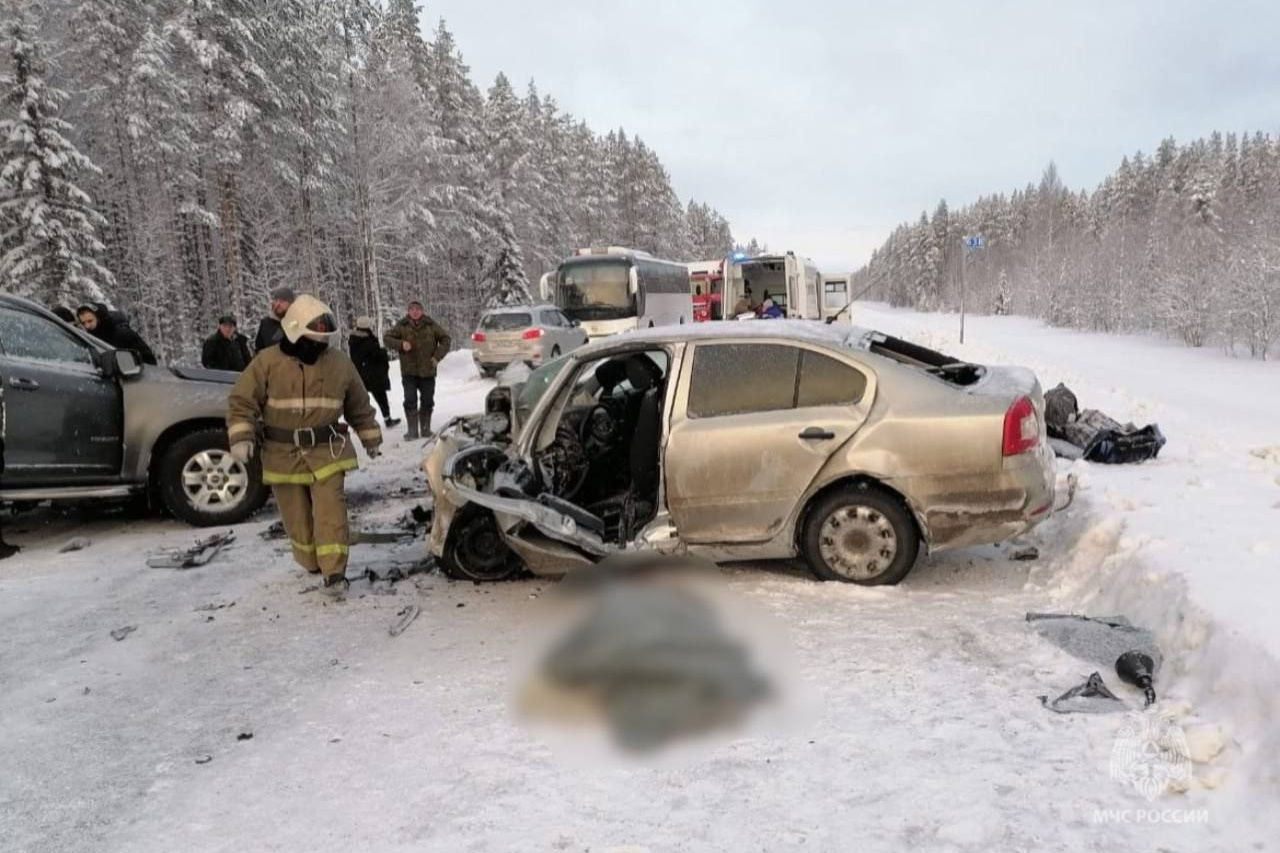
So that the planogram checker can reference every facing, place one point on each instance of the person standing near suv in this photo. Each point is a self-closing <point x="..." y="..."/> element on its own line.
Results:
<point x="422" y="344"/>
<point x="109" y="327"/>
<point x="226" y="349"/>
<point x="269" y="333"/>
<point x="295" y="394"/>
<point x="373" y="365"/>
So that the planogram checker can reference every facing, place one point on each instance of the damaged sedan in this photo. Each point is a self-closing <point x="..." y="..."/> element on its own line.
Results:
<point x="845" y="447"/>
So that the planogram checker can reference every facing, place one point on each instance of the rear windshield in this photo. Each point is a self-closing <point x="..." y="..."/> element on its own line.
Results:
<point x="950" y="369"/>
<point x="499" y="322"/>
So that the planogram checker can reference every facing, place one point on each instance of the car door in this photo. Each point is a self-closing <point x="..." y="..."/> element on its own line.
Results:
<point x="63" y="420"/>
<point x="753" y="425"/>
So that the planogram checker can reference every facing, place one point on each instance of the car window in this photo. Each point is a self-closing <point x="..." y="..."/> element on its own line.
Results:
<point x="31" y="336"/>
<point x="563" y="320"/>
<point x="732" y="379"/>
<point x="536" y="385"/>
<point x="552" y="319"/>
<point x="827" y="382"/>
<point x="505" y="322"/>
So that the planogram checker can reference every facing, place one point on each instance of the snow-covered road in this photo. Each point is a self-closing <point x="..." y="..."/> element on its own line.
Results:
<point x="922" y="729"/>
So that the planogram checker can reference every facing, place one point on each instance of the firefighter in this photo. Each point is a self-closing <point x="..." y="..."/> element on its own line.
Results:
<point x="292" y="396"/>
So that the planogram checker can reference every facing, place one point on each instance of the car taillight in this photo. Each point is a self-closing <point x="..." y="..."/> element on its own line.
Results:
<point x="532" y="334"/>
<point x="1021" y="430"/>
<point x="478" y="337"/>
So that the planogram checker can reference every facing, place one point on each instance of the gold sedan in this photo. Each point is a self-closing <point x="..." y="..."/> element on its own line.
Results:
<point x="742" y="441"/>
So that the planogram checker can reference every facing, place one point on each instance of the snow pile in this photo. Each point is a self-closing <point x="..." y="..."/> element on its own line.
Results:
<point x="1186" y="545"/>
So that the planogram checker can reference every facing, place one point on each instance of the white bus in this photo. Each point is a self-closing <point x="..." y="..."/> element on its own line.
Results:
<point x="611" y="289"/>
<point x="791" y="281"/>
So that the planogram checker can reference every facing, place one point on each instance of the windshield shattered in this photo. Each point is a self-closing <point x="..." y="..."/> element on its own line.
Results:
<point x="535" y="386"/>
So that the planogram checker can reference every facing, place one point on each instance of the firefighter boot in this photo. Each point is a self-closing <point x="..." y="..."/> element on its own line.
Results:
<point x="411" y="421"/>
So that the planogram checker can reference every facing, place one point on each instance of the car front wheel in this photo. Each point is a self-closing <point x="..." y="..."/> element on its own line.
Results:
<point x="202" y="484"/>
<point x="476" y="550"/>
<point x="861" y="535"/>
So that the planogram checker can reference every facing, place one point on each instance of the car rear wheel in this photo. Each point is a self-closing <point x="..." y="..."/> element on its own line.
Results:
<point x="861" y="535"/>
<point x="202" y="484"/>
<point x="476" y="550"/>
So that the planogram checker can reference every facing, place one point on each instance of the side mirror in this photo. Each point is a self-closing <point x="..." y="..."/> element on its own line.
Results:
<point x="576" y="323"/>
<point x="120" y="362"/>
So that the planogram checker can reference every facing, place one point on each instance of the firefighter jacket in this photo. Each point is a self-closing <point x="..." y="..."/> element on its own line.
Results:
<point x="279" y="391"/>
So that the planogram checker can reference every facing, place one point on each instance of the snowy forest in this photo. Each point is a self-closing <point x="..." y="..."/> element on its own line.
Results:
<point x="1185" y="242"/>
<point x="179" y="158"/>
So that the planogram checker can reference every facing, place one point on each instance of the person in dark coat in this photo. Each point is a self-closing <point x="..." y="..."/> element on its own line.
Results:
<point x="269" y="331"/>
<point x="373" y="364"/>
<point x="99" y="321"/>
<point x="64" y="314"/>
<point x="226" y="349"/>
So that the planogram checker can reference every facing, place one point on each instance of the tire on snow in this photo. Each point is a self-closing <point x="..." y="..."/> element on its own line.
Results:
<point x="843" y="529"/>
<point x="475" y="550"/>
<point x="205" y="452"/>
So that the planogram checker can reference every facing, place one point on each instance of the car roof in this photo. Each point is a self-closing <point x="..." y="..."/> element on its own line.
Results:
<point x="519" y="309"/>
<point x="812" y="331"/>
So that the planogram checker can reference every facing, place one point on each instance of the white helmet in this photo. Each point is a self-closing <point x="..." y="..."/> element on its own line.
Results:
<point x="308" y="317"/>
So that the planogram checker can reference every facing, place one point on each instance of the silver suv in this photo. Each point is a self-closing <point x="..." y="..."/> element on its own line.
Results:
<point x="83" y="421"/>
<point x="534" y="334"/>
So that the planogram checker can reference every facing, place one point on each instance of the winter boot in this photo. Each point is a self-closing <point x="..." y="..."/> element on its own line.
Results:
<point x="335" y="586"/>
<point x="390" y="422"/>
<point x="411" y="432"/>
<point x="424" y="422"/>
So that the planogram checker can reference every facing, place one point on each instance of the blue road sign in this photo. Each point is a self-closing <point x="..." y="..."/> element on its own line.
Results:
<point x="975" y="242"/>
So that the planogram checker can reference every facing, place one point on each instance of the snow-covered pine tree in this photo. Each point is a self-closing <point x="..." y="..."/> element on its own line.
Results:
<point x="49" y="243"/>
<point x="507" y="282"/>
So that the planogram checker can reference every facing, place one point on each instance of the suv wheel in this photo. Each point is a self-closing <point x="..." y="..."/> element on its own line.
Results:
<point x="861" y="535"/>
<point x="202" y="484"/>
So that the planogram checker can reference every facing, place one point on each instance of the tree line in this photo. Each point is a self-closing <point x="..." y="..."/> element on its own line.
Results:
<point x="1183" y="242"/>
<point x="181" y="158"/>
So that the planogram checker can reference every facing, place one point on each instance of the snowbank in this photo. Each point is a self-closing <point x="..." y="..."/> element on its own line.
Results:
<point x="1187" y="545"/>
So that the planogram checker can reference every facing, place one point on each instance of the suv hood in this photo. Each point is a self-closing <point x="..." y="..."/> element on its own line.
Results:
<point x="200" y="374"/>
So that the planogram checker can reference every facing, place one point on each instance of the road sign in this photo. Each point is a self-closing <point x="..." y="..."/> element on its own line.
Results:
<point x="975" y="242"/>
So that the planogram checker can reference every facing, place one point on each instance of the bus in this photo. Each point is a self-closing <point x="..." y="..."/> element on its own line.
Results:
<point x="611" y="289"/>
<point x="791" y="281"/>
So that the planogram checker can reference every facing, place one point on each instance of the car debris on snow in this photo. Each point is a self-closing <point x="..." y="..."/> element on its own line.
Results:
<point x="245" y="736"/>
<point x="1092" y="697"/>
<point x="204" y="759"/>
<point x="120" y="633"/>
<point x="77" y="544"/>
<point x="274" y="531"/>
<point x="1024" y="554"/>
<point x="1094" y="437"/>
<point x="205" y="608"/>
<point x="1096" y="640"/>
<point x="407" y="615"/>
<point x="197" y="555"/>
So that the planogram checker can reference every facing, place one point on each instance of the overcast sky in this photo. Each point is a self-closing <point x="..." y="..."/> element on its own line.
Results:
<point x="818" y="125"/>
